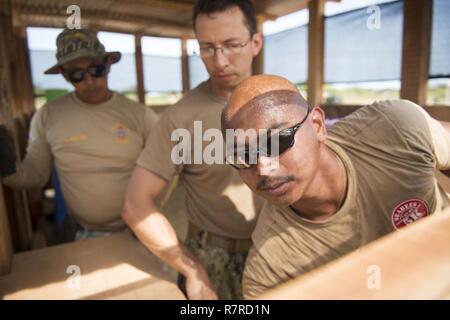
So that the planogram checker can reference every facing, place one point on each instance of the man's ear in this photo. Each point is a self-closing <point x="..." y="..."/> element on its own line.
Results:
<point x="257" y="43"/>
<point x="318" y="121"/>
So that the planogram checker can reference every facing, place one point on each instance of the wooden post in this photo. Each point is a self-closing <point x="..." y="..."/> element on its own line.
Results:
<point x="139" y="67"/>
<point x="23" y="77"/>
<point x="28" y="84"/>
<point x="185" y="65"/>
<point x="16" y="103"/>
<point x="5" y="238"/>
<point x="315" y="51"/>
<point x="417" y="16"/>
<point x="6" y="120"/>
<point x="258" y="61"/>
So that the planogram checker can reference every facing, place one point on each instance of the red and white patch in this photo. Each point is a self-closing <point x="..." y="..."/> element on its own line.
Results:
<point x="408" y="212"/>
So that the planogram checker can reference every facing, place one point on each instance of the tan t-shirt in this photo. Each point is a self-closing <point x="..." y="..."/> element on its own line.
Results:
<point x="94" y="149"/>
<point x="390" y="155"/>
<point x="216" y="199"/>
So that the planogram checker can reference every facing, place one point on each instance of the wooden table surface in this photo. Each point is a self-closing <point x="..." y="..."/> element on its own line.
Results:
<point x="113" y="267"/>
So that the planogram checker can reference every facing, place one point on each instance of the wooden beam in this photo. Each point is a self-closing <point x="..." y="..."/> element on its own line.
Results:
<point x="400" y="265"/>
<point x="258" y="61"/>
<point x="185" y="66"/>
<point x="417" y="16"/>
<point x="169" y="5"/>
<point x="17" y="104"/>
<point x="139" y="67"/>
<point x="5" y="238"/>
<point x="315" y="52"/>
<point x="6" y="119"/>
<point x="108" y="24"/>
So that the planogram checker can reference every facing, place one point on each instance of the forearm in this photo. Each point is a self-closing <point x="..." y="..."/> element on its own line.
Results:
<point x="157" y="234"/>
<point x="27" y="176"/>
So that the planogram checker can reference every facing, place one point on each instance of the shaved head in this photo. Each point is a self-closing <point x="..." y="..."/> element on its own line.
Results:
<point x="262" y="90"/>
<point x="266" y="102"/>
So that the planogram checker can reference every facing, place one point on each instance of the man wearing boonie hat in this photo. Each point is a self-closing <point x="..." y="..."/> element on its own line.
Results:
<point x="92" y="135"/>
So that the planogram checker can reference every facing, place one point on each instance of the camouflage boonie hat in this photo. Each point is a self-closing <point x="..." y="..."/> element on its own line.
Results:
<point x="81" y="43"/>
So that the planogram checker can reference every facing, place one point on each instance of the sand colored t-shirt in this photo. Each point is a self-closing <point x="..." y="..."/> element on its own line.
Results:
<point x="94" y="149"/>
<point x="217" y="200"/>
<point x="390" y="155"/>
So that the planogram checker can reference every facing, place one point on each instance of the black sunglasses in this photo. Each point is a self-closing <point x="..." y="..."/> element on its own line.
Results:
<point x="77" y="75"/>
<point x="286" y="139"/>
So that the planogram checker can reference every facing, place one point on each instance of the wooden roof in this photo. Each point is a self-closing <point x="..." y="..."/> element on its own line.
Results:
<point x="169" y="18"/>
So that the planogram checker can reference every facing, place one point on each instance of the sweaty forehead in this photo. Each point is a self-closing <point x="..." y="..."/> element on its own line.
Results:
<point x="269" y="109"/>
<point x="256" y="86"/>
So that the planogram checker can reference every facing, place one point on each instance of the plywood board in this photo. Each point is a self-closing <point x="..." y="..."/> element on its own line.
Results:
<point x="114" y="267"/>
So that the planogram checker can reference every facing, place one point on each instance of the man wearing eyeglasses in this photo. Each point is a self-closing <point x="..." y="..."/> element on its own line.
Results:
<point x="332" y="192"/>
<point x="221" y="209"/>
<point x="92" y="136"/>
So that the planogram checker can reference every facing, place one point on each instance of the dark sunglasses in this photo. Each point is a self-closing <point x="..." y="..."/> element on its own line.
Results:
<point x="286" y="139"/>
<point x="77" y="75"/>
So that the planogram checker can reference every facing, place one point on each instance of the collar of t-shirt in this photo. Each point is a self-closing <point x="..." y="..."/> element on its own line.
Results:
<point x="97" y="105"/>
<point x="205" y="88"/>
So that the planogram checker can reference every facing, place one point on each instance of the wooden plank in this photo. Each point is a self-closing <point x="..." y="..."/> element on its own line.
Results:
<point x="30" y="107"/>
<point x="174" y="5"/>
<point x="185" y="66"/>
<point x="5" y="238"/>
<point x="315" y="52"/>
<point x="417" y="16"/>
<point x="139" y="67"/>
<point x="125" y="24"/>
<point x="402" y="265"/>
<point x="13" y="92"/>
<point x="113" y="267"/>
<point x="6" y="120"/>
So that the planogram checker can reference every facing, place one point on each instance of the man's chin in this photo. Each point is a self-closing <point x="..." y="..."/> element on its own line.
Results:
<point x="228" y="82"/>
<point x="279" y="201"/>
<point x="92" y="98"/>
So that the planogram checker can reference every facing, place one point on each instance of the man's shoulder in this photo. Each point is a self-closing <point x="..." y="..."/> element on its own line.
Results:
<point x="55" y="106"/>
<point x="58" y="102"/>
<point x="389" y="118"/>
<point x="191" y="105"/>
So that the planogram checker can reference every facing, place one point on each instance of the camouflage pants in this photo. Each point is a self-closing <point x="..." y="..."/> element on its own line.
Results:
<point x="224" y="268"/>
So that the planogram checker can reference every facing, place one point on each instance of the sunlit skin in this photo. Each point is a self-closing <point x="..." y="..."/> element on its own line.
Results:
<point x="217" y="29"/>
<point x="309" y="177"/>
<point x="91" y="90"/>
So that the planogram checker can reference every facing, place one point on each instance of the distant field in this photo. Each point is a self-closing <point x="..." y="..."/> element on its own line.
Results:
<point x="437" y="95"/>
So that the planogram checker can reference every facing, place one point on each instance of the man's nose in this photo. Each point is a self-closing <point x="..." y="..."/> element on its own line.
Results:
<point x="266" y="165"/>
<point x="220" y="59"/>
<point x="88" y="79"/>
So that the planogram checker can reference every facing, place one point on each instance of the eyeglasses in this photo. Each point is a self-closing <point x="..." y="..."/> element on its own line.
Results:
<point x="248" y="158"/>
<point x="77" y="75"/>
<point x="228" y="49"/>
